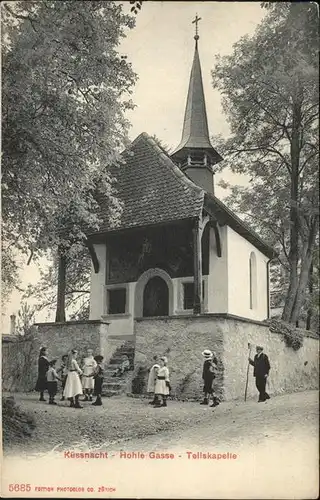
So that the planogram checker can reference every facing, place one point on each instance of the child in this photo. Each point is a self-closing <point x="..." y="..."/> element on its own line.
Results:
<point x="73" y="387"/>
<point x="98" y="380"/>
<point x="43" y="366"/>
<point x="63" y="372"/>
<point x="162" y="385"/>
<point x="124" y="367"/>
<point x="89" y="366"/>
<point x="208" y="376"/>
<point x="52" y="382"/>
<point x="152" y="379"/>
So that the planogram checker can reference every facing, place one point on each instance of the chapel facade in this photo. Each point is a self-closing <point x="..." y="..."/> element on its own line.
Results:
<point x="176" y="249"/>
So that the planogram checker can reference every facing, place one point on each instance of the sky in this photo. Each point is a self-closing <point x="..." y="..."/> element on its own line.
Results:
<point x="161" y="49"/>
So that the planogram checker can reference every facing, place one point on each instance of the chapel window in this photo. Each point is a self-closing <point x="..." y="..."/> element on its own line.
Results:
<point x="188" y="294"/>
<point x="117" y="301"/>
<point x="253" y="280"/>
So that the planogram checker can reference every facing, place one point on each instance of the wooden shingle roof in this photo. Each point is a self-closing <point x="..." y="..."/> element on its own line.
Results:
<point x="152" y="189"/>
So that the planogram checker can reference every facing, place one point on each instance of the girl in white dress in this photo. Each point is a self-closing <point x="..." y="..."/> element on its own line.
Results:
<point x="162" y="385"/>
<point x="89" y="366"/>
<point x="73" y="387"/>
<point x="152" y="379"/>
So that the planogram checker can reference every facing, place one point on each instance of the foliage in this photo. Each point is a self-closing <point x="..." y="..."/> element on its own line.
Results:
<point x="292" y="336"/>
<point x="16" y="424"/>
<point x="77" y="293"/>
<point x="25" y="319"/>
<point x="270" y="95"/>
<point x="65" y="93"/>
<point x="139" y="381"/>
<point x="136" y="6"/>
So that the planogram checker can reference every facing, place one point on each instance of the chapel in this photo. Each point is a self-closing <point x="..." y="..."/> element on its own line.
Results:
<point x="176" y="249"/>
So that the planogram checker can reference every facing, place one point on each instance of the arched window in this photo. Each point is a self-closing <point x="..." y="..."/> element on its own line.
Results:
<point x="253" y="280"/>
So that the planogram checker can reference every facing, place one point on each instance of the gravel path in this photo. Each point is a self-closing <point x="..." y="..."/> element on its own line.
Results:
<point x="276" y="447"/>
<point x="123" y="418"/>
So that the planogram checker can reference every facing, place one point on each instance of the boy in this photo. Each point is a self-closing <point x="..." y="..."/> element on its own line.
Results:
<point x="124" y="367"/>
<point x="52" y="382"/>
<point x="98" y="380"/>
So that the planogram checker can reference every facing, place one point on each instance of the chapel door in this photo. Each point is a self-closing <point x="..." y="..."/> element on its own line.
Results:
<point x="156" y="298"/>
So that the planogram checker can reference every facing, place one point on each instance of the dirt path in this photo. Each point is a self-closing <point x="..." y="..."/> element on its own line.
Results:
<point x="275" y="443"/>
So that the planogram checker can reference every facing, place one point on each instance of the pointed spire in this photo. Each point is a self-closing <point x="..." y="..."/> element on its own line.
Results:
<point x="195" y="133"/>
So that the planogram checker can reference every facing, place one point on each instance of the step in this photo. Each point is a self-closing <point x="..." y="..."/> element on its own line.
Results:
<point x="113" y="386"/>
<point x="130" y="354"/>
<point x="113" y="379"/>
<point x="110" y="393"/>
<point x="116" y="360"/>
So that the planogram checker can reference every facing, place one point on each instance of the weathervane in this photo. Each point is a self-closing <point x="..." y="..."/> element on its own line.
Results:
<point x="196" y="20"/>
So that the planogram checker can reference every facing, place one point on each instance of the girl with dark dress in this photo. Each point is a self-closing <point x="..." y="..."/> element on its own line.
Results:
<point x="43" y="366"/>
<point x="98" y="380"/>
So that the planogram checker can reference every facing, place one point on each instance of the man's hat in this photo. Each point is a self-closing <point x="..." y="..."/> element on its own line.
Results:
<point x="207" y="354"/>
<point x="98" y="358"/>
<point x="259" y="347"/>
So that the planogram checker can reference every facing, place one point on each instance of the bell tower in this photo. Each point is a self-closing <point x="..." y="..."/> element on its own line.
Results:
<point x="195" y="154"/>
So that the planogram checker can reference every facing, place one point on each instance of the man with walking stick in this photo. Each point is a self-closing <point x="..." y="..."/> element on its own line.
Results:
<point x="261" y="368"/>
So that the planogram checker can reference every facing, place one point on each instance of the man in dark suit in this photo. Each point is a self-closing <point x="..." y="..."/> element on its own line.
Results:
<point x="261" y="368"/>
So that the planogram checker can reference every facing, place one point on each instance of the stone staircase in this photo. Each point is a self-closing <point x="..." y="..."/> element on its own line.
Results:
<point x="113" y="386"/>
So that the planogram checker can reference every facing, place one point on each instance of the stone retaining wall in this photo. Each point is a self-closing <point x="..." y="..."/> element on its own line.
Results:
<point x="20" y="358"/>
<point x="19" y="369"/>
<point x="183" y="338"/>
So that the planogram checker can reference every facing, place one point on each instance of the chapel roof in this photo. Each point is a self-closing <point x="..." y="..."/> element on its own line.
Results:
<point x="153" y="190"/>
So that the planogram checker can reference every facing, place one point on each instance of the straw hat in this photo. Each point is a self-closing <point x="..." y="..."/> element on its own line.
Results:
<point x="207" y="354"/>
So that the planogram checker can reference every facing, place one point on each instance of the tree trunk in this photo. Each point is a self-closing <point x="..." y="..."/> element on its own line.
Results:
<point x="304" y="273"/>
<point x="309" y="313"/>
<point x="294" y="220"/>
<point x="61" y="292"/>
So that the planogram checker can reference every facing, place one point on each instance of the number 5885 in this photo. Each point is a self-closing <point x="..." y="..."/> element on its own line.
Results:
<point x="19" y="487"/>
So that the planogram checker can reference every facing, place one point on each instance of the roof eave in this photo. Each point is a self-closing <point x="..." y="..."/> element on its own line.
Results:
<point x="225" y="216"/>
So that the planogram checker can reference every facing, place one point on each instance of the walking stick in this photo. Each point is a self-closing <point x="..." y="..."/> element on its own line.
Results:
<point x="245" y="392"/>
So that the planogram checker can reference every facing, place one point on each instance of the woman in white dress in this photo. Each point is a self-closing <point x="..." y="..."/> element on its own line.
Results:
<point x="73" y="387"/>
<point x="89" y="366"/>
<point x="152" y="379"/>
<point x="162" y="385"/>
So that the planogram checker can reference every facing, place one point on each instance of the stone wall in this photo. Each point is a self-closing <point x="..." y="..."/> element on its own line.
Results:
<point x="290" y="370"/>
<point x="20" y="357"/>
<point x="60" y="338"/>
<point x="183" y="339"/>
<point x="19" y="369"/>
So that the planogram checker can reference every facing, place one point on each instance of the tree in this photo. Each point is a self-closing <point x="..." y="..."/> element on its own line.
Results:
<point x="25" y="319"/>
<point x="270" y="94"/>
<point x="65" y="93"/>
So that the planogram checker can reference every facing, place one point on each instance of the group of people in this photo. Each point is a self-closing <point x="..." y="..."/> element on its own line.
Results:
<point x="159" y="381"/>
<point x="88" y="380"/>
<point x="74" y="380"/>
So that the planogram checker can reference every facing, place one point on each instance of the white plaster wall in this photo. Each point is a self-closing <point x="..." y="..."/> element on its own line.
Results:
<point x="97" y="283"/>
<point x="176" y="295"/>
<point x="122" y="324"/>
<point x="239" y="250"/>
<point x="218" y="274"/>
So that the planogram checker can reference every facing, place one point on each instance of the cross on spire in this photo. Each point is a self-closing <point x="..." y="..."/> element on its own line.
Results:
<point x="196" y="20"/>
